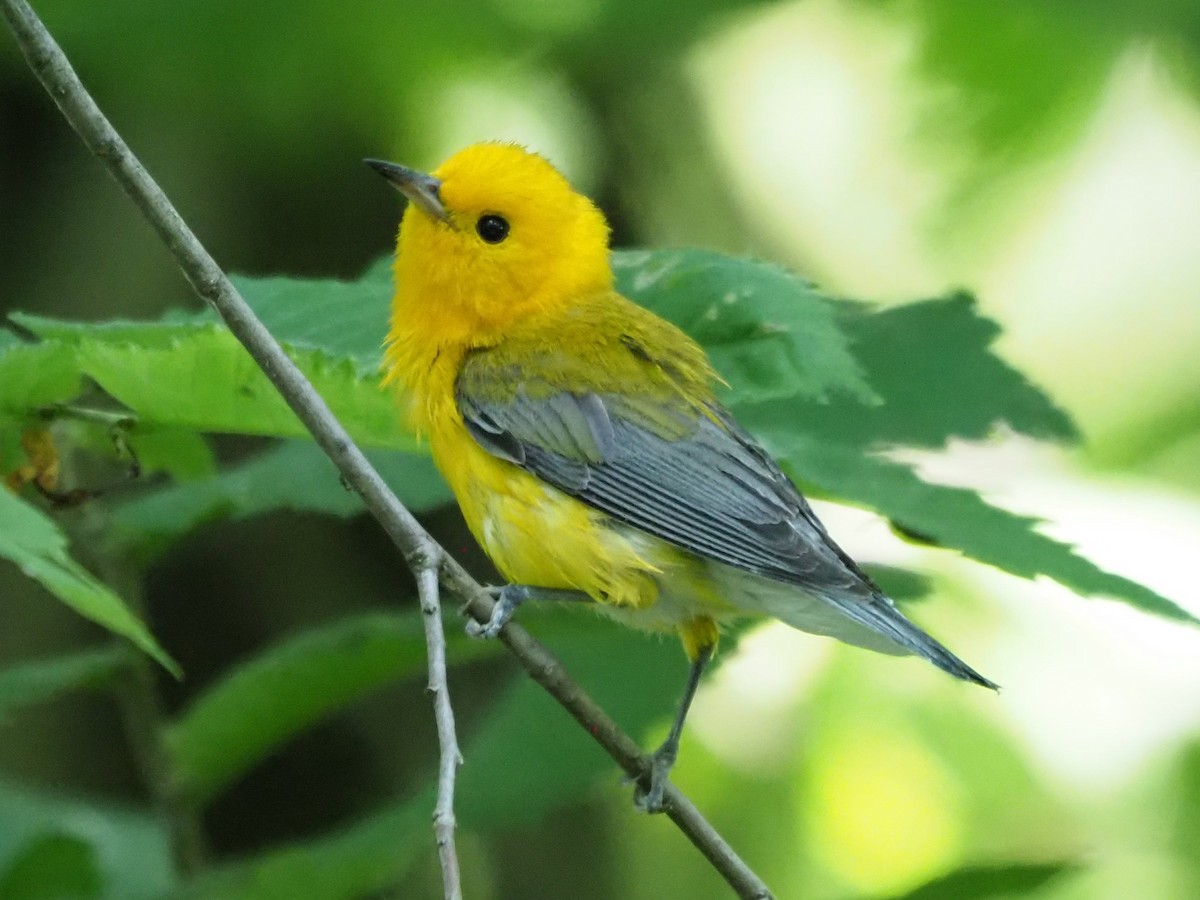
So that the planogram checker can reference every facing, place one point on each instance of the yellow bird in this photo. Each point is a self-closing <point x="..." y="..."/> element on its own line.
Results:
<point x="582" y="437"/>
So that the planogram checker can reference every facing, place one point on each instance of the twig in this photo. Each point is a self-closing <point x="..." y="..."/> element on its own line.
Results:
<point x="50" y="65"/>
<point x="451" y="758"/>
<point x="52" y="68"/>
<point x="547" y="671"/>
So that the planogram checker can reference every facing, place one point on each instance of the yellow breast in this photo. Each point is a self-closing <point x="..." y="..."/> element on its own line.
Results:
<point x="534" y="533"/>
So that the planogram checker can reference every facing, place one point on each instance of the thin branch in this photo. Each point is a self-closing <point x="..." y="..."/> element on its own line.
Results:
<point x="546" y="670"/>
<point x="50" y="65"/>
<point x="451" y="758"/>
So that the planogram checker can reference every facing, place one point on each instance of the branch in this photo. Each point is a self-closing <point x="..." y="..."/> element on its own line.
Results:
<point x="420" y="550"/>
<point x="451" y="758"/>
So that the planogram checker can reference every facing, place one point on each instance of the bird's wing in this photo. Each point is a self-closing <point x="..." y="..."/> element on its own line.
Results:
<point x="669" y="460"/>
<point x="679" y="469"/>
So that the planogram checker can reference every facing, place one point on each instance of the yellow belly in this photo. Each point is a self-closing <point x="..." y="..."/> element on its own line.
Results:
<point x="537" y="535"/>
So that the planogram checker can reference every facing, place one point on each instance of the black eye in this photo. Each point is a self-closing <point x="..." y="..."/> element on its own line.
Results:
<point x="492" y="228"/>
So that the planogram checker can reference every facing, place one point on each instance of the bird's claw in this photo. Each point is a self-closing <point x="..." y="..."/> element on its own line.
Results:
<point x="506" y="605"/>
<point x="653" y="799"/>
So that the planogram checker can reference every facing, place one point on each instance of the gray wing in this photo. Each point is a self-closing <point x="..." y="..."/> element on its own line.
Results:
<point x="712" y="490"/>
<point x="702" y="484"/>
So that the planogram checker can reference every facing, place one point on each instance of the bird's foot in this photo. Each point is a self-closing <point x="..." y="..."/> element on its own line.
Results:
<point x="508" y="597"/>
<point x="652" y="799"/>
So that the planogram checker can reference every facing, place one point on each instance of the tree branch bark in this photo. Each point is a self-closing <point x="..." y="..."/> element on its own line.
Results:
<point x="422" y="553"/>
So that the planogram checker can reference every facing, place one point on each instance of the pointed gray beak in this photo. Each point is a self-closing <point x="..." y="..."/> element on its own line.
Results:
<point x="419" y="188"/>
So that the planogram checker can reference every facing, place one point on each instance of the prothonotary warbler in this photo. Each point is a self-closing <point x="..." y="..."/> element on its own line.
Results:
<point x="582" y="436"/>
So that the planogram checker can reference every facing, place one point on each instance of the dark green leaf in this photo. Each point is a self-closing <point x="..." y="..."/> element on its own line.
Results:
<point x="131" y="848"/>
<point x="769" y="333"/>
<point x="35" y="544"/>
<point x="356" y="861"/>
<point x="528" y="756"/>
<point x="338" y="318"/>
<point x="900" y="584"/>
<point x="1011" y="880"/>
<point x="957" y="519"/>
<point x="295" y="475"/>
<point x="53" y="867"/>
<point x="288" y="688"/>
<point x="933" y="365"/>
<point x="44" y="679"/>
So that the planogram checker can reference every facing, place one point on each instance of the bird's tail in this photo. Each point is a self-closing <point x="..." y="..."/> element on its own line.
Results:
<point x="880" y="615"/>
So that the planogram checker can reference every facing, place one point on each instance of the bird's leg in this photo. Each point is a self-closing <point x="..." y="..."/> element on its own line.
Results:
<point x="651" y="801"/>
<point x="509" y="597"/>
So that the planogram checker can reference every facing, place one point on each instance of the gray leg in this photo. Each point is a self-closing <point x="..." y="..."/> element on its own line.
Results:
<point x="664" y="757"/>
<point x="509" y="597"/>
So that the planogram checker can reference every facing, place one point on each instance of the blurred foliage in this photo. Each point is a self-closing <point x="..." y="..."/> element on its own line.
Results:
<point x="301" y="739"/>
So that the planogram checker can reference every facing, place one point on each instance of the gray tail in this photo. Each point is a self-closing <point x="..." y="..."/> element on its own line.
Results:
<point x="880" y="615"/>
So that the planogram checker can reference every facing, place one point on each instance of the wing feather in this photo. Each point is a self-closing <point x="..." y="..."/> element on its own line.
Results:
<point x="702" y="484"/>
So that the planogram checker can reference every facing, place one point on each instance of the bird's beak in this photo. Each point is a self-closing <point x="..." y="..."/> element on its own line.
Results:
<point x="418" y="187"/>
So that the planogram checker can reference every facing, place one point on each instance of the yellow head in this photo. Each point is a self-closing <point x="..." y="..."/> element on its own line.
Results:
<point x="494" y="236"/>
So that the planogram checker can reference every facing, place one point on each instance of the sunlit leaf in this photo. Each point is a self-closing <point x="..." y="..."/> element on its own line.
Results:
<point x="197" y="376"/>
<point x="36" y="375"/>
<point x="207" y="381"/>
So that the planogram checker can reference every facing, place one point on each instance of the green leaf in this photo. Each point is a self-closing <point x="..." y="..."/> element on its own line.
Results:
<point x="1184" y="818"/>
<point x="36" y="375"/>
<point x="992" y="882"/>
<point x="957" y="519"/>
<point x="34" y="543"/>
<point x="545" y="758"/>
<point x="182" y="454"/>
<point x="53" y="867"/>
<point x="130" y="848"/>
<point x="44" y="679"/>
<point x="357" y="861"/>
<point x="207" y="381"/>
<point x="287" y="689"/>
<point x="527" y="757"/>
<point x="195" y="375"/>
<point x="769" y="333"/>
<point x="933" y="366"/>
<point x="900" y="584"/>
<point x="1010" y="115"/>
<point x="341" y="319"/>
<point x="295" y="475"/>
<point x="70" y="334"/>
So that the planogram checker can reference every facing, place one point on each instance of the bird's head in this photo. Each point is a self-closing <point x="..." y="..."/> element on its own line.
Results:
<point x="491" y="237"/>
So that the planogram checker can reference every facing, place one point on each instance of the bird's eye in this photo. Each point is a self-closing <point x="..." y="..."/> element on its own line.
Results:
<point x="492" y="228"/>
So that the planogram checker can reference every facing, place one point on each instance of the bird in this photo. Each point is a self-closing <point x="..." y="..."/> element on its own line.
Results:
<point x="583" y="436"/>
